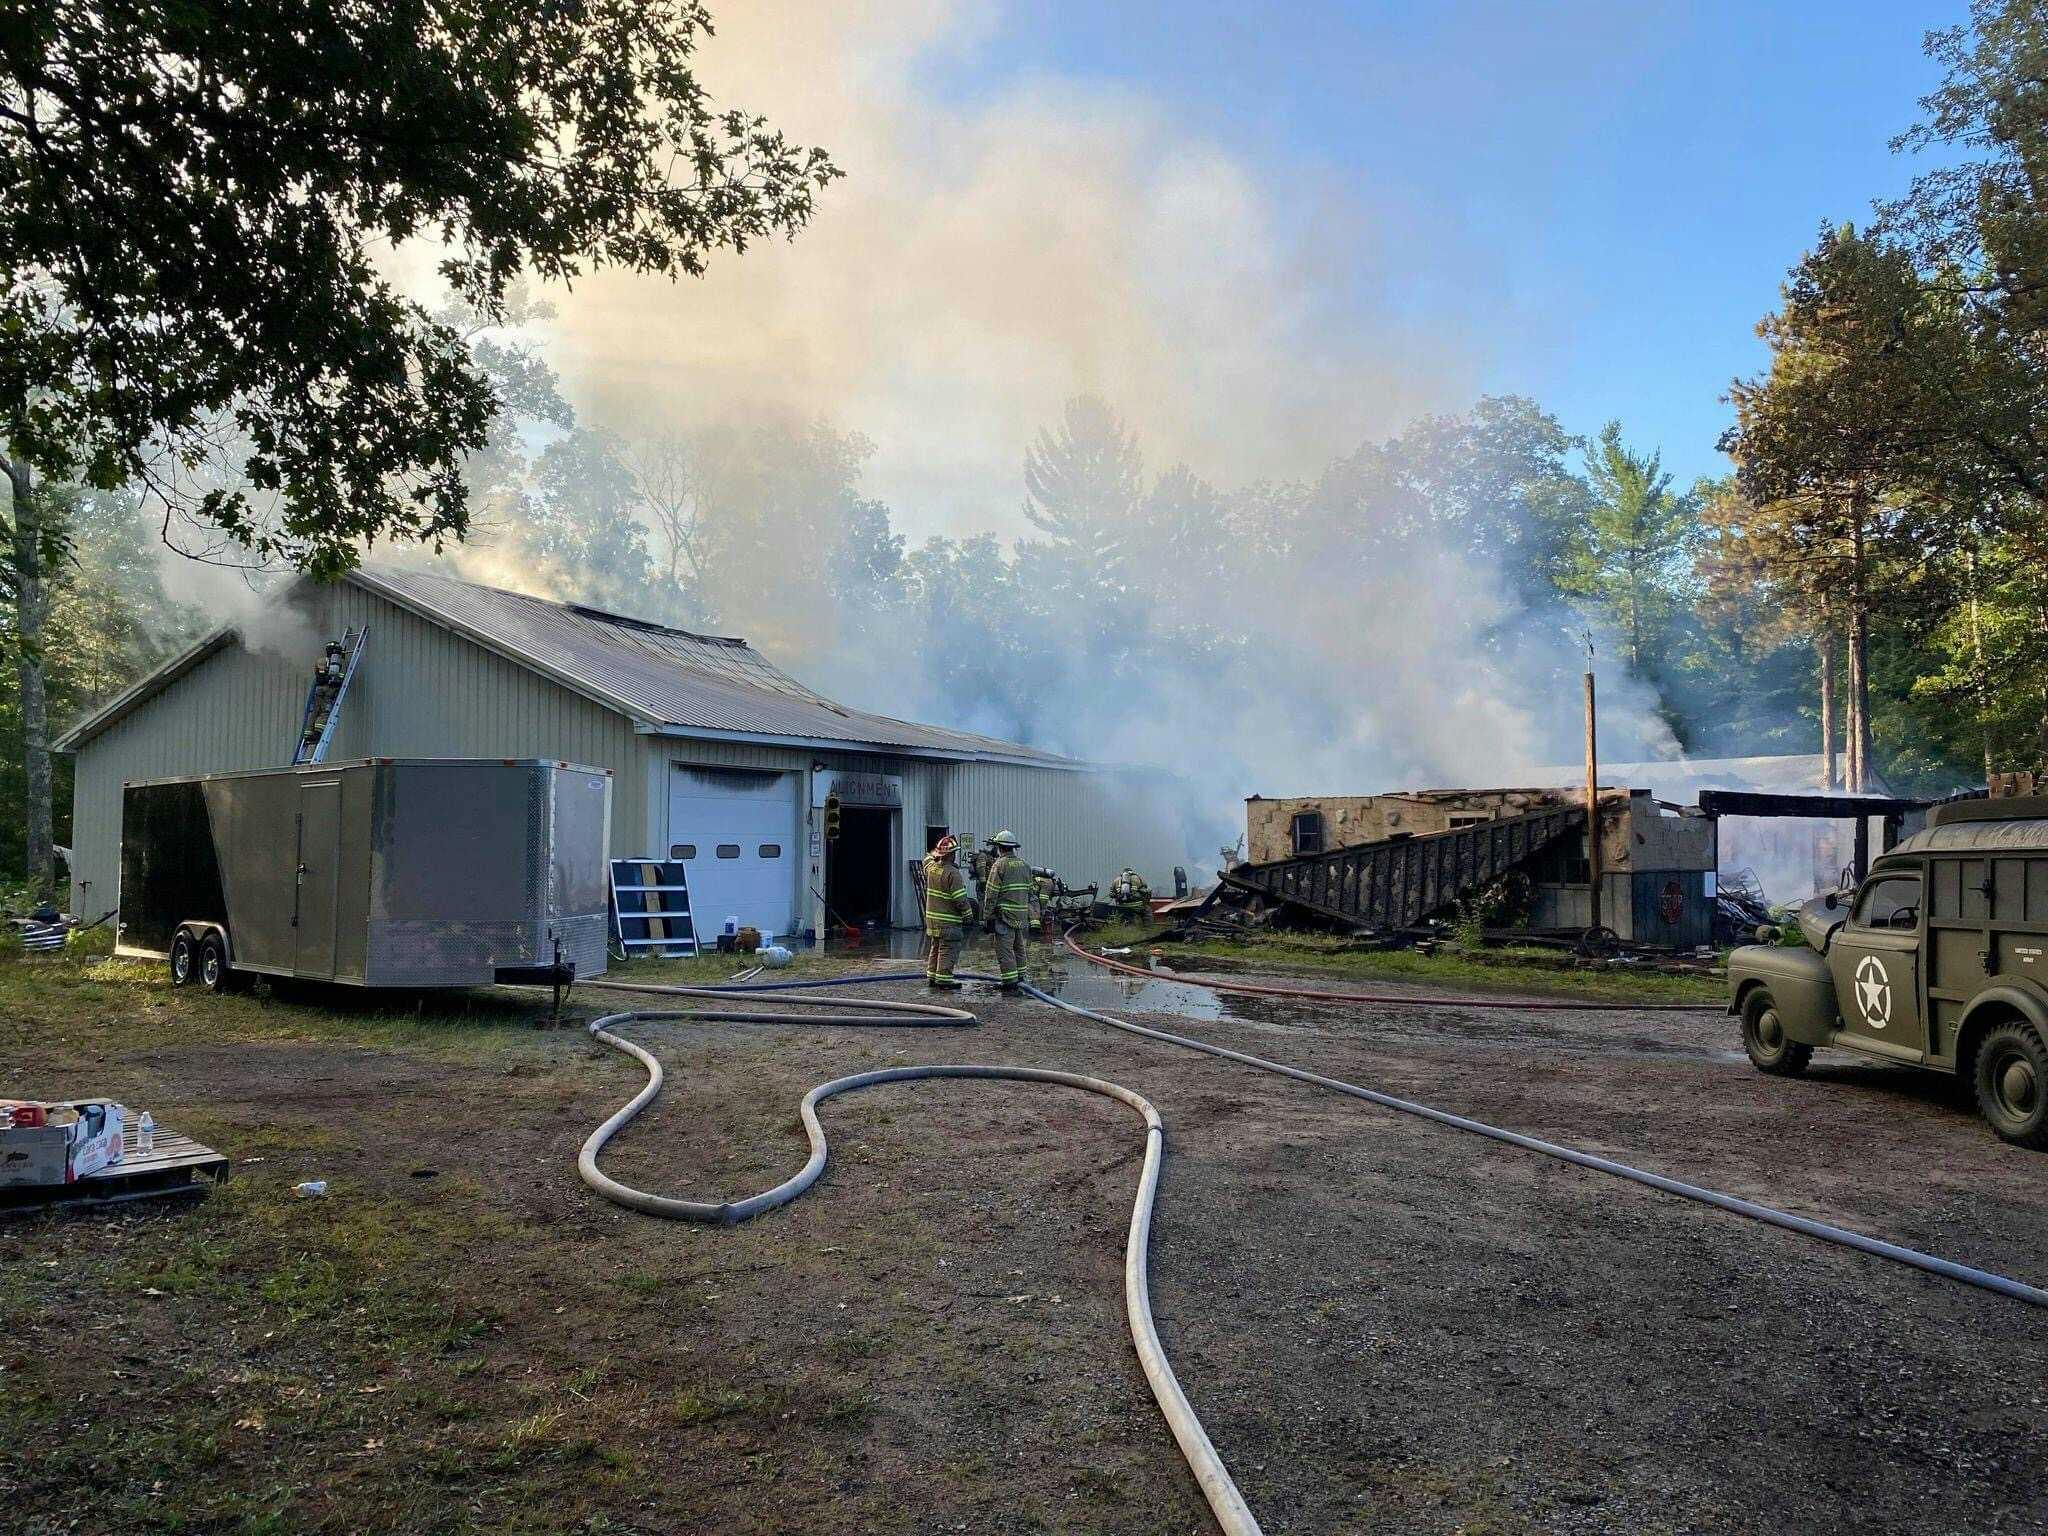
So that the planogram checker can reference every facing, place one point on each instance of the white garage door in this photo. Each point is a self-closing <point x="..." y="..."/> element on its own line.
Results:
<point x="736" y="830"/>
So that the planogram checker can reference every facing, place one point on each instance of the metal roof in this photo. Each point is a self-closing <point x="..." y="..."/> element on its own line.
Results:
<point x="139" y="692"/>
<point x="1680" y="778"/>
<point x="2013" y="836"/>
<point x="668" y="681"/>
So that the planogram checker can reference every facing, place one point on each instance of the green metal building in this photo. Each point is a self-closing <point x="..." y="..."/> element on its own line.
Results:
<point x="719" y="759"/>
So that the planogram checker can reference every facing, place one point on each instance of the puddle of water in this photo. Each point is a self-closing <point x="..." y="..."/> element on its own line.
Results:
<point x="878" y="944"/>
<point x="1108" y="992"/>
<point x="1113" y="993"/>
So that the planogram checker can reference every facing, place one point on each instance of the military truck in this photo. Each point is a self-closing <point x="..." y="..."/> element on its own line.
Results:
<point x="1938" y="960"/>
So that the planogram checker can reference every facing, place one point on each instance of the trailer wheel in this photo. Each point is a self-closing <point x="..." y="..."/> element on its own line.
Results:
<point x="2012" y="1084"/>
<point x="214" y="974"/>
<point x="1763" y="1036"/>
<point x="1601" y="943"/>
<point x="184" y="959"/>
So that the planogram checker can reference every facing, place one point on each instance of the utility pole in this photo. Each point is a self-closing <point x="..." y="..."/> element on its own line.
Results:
<point x="1592" y="794"/>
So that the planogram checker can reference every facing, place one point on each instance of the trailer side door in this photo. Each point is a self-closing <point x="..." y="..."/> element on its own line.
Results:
<point x="319" y="877"/>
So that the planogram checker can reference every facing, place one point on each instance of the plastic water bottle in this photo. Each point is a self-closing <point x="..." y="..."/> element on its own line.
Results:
<point x="312" y="1189"/>
<point x="145" y="1133"/>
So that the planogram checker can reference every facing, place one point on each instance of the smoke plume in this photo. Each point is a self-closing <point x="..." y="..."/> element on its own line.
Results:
<point x="981" y="263"/>
<point x="1287" y="604"/>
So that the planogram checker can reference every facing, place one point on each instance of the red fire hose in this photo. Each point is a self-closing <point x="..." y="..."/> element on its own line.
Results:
<point x="1259" y="989"/>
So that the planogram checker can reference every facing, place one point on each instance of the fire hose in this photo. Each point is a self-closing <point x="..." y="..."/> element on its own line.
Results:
<point x="1233" y="1516"/>
<point x="1913" y="1258"/>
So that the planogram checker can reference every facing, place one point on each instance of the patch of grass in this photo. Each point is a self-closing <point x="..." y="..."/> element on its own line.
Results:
<point x="713" y="969"/>
<point x="364" y="1267"/>
<point x="374" y="1360"/>
<point x="1518" y="969"/>
<point x="529" y="1437"/>
<point x="1099" y="1487"/>
<point x="691" y="1407"/>
<point x="857" y="1345"/>
<point x="112" y="1004"/>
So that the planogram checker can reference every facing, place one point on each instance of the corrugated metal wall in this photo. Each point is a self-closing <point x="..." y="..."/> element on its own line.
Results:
<point x="235" y="710"/>
<point x="1086" y="824"/>
<point x="421" y="692"/>
<point x="425" y="692"/>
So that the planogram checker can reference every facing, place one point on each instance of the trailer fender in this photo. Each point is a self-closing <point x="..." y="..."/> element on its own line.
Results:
<point x="201" y="929"/>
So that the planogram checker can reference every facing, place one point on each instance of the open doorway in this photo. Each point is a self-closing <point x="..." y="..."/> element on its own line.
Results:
<point x="858" y="864"/>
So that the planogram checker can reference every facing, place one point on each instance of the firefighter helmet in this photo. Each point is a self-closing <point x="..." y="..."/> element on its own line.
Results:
<point x="1005" y="839"/>
<point x="946" y="845"/>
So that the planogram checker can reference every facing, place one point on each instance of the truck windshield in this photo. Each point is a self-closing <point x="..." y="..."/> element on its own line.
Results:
<point x="1891" y="901"/>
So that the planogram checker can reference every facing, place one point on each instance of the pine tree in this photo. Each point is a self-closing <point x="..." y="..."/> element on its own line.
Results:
<point x="1083" y="483"/>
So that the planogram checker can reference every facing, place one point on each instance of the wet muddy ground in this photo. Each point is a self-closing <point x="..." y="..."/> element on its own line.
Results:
<point x="1383" y="1324"/>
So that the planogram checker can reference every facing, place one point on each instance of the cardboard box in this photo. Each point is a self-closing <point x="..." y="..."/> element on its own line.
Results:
<point x="79" y="1138"/>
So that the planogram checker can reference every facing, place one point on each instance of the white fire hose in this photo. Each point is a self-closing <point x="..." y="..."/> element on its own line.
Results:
<point x="1233" y="1516"/>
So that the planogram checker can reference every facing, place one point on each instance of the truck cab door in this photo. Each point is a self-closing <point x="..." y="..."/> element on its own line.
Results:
<point x="1875" y="963"/>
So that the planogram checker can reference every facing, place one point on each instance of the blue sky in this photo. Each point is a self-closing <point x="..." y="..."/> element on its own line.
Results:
<point x="1597" y="199"/>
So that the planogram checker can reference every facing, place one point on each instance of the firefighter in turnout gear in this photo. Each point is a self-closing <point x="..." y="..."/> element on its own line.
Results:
<point x="948" y="909"/>
<point x="1006" y="904"/>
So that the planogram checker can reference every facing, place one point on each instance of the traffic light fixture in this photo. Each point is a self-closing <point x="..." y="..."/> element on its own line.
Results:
<point x="831" y="817"/>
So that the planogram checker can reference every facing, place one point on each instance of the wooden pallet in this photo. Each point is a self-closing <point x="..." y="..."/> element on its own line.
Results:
<point x="176" y="1165"/>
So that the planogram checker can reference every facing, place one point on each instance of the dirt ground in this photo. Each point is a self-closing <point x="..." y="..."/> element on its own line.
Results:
<point x="1383" y="1324"/>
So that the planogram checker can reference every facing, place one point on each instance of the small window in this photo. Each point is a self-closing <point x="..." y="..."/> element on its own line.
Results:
<point x="771" y="850"/>
<point x="1945" y="889"/>
<point x="678" y="852"/>
<point x="1307" y="832"/>
<point x="1891" y="902"/>
<point x="728" y="850"/>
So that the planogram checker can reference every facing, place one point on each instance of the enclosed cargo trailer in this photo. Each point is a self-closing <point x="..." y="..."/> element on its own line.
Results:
<point x="391" y="872"/>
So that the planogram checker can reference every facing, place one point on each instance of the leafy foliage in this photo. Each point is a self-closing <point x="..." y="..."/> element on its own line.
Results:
<point x="1634" y="549"/>
<point x="110" y="620"/>
<point x="190" y="298"/>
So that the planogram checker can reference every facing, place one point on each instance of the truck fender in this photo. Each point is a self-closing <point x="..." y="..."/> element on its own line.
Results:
<point x="1993" y="1005"/>
<point x="1799" y="982"/>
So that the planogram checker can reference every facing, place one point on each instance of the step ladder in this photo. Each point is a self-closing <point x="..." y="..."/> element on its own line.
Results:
<point x="332" y="674"/>
<point x="651" y="908"/>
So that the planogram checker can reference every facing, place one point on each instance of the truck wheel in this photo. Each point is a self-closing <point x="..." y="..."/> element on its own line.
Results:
<point x="184" y="959"/>
<point x="1763" y="1036"/>
<point x="214" y="974"/>
<point x="2012" y="1084"/>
